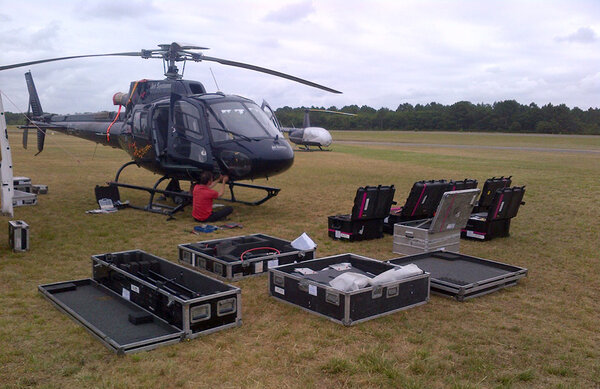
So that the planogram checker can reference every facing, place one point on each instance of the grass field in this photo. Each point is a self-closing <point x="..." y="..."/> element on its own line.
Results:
<point x="541" y="333"/>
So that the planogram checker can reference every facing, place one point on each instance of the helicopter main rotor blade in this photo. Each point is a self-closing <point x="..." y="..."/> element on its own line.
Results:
<point x="267" y="71"/>
<point x="18" y="65"/>
<point x="330" y="111"/>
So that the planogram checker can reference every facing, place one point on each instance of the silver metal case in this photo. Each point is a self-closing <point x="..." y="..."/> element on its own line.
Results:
<point x="18" y="235"/>
<point x="442" y="232"/>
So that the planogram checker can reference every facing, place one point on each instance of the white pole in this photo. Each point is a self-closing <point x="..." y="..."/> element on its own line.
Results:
<point x="6" y="173"/>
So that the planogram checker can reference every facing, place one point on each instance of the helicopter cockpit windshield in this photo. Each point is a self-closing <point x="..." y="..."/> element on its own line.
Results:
<point x="244" y="120"/>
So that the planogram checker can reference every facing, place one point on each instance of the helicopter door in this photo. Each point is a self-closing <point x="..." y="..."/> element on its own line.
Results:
<point x="160" y="129"/>
<point x="187" y="135"/>
<point x="141" y="135"/>
<point x="271" y="114"/>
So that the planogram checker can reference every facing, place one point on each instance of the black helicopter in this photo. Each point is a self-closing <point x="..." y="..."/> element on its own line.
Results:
<point x="174" y="128"/>
<point x="311" y="136"/>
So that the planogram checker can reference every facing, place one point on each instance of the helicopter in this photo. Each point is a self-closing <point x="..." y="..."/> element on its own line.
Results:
<point x="174" y="128"/>
<point x="311" y="136"/>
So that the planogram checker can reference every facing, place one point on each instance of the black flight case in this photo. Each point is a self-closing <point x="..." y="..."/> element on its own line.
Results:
<point x="423" y="200"/>
<point x="371" y="205"/>
<point x="307" y="285"/>
<point x="490" y="186"/>
<point x="241" y="256"/>
<point x="462" y="276"/>
<point x="495" y="221"/>
<point x="137" y="301"/>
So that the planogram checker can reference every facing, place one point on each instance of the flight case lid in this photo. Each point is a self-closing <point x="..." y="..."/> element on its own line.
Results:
<point x="373" y="202"/>
<point x="423" y="199"/>
<point x="506" y="203"/>
<point x="490" y="186"/>
<point x="454" y="210"/>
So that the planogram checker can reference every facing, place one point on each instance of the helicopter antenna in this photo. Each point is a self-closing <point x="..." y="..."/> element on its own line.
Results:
<point x="214" y="79"/>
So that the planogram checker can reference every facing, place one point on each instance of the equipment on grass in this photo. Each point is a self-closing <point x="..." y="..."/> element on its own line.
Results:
<point x="18" y="235"/>
<point x="173" y="127"/>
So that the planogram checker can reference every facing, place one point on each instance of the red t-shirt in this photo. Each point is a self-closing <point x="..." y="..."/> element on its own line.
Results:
<point x="203" y="201"/>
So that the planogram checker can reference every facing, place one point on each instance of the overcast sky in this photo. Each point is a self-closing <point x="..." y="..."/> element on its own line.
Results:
<point x="379" y="53"/>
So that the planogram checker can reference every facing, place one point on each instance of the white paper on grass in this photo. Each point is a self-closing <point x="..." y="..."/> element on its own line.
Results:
<point x="349" y="281"/>
<point x="303" y="242"/>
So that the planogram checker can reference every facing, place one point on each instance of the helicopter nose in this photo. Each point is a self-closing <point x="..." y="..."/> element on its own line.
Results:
<point x="257" y="159"/>
<point x="279" y="158"/>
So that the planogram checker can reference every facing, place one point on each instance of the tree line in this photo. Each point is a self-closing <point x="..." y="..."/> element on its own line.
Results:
<point x="503" y="116"/>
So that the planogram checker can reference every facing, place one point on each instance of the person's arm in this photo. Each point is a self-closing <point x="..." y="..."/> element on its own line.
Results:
<point x="223" y="181"/>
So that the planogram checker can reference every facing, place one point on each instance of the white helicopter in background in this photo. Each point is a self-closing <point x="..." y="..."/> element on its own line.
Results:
<point x="311" y="136"/>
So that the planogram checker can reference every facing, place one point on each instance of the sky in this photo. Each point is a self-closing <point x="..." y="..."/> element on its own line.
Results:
<point x="379" y="53"/>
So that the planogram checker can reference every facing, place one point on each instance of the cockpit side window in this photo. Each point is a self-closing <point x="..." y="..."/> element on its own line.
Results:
<point x="186" y="119"/>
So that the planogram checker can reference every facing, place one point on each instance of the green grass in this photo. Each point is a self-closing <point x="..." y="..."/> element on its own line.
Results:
<point x="541" y="333"/>
<point x="583" y="142"/>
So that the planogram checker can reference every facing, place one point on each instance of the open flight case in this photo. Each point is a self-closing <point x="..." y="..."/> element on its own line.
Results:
<point x="463" y="276"/>
<point x="307" y="285"/>
<point x="241" y="256"/>
<point x="371" y="205"/>
<point x="137" y="301"/>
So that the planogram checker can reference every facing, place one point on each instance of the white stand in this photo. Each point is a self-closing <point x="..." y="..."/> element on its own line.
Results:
<point x="6" y="173"/>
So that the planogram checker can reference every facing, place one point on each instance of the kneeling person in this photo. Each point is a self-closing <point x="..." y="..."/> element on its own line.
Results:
<point x="203" y="199"/>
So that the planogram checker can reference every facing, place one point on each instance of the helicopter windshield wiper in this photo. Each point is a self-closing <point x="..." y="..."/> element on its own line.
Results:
<point x="245" y="137"/>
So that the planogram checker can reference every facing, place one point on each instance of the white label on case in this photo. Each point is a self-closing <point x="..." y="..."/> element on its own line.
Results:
<point x="338" y="234"/>
<point x="273" y="263"/>
<point x="125" y="293"/>
<point x="473" y="234"/>
<point x="312" y="290"/>
<point x="135" y="289"/>
<point x="345" y="236"/>
<point x="280" y="290"/>
<point x="259" y="267"/>
<point x="451" y="226"/>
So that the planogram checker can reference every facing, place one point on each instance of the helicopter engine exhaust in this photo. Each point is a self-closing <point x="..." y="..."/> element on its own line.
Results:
<point x="120" y="98"/>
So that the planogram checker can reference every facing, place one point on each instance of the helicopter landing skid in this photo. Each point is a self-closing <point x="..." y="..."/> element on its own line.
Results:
<point x="271" y="192"/>
<point x="184" y="198"/>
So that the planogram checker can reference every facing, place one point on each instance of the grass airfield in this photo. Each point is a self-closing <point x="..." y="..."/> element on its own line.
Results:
<point x="541" y="333"/>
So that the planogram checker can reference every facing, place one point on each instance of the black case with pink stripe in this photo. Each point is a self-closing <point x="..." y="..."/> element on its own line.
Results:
<point x="495" y="222"/>
<point x="371" y="205"/>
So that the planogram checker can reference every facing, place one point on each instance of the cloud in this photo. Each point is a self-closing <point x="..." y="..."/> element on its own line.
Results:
<point x="582" y="35"/>
<point x="291" y="13"/>
<point x="111" y="10"/>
